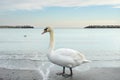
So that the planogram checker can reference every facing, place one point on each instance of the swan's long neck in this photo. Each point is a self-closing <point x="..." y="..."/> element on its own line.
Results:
<point x="51" y="40"/>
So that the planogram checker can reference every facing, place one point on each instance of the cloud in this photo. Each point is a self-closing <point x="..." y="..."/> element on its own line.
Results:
<point x="40" y="4"/>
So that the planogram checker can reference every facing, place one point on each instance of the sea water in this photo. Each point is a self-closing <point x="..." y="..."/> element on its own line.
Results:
<point x="27" y="48"/>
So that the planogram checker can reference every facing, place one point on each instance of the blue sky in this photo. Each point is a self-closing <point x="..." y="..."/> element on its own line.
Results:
<point x="61" y="13"/>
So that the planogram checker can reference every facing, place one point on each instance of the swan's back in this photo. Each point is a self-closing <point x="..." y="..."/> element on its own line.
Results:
<point x="67" y="57"/>
<point x="69" y="52"/>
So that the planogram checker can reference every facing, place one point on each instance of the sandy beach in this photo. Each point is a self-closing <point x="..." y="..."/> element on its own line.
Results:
<point x="92" y="74"/>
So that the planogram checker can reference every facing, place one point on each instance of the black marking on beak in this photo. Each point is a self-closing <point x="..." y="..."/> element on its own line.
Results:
<point x="45" y="29"/>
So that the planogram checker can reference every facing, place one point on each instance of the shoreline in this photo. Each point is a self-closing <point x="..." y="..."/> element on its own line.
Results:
<point x="92" y="74"/>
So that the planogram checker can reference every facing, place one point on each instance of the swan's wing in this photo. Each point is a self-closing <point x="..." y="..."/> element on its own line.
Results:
<point x="67" y="57"/>
<point x="73" y="54"/>
<point x="66" y="52"/>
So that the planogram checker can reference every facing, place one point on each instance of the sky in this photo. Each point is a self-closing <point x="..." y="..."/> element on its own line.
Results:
<point x="59" y="13"/>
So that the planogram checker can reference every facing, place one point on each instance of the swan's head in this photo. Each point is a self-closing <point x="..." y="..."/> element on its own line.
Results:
<point x="47" y="29"/>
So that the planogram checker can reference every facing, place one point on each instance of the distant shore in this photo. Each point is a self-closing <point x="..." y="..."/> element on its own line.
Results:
<point x="103" y="26"/>
<point x="85" y="27"/>
<point x="26" y="26"/>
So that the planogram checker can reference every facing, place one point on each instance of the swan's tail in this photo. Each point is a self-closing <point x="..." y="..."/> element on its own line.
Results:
<point x="86" y="61"/>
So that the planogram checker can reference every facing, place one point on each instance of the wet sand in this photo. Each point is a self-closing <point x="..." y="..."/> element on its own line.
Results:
<point x="92" y="74"/>
<point x="14" y="74"/>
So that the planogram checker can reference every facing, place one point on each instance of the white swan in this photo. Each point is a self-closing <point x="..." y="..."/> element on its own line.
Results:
<point x="64" y="57"/>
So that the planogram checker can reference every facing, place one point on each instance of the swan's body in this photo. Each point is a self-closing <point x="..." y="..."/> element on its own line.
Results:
<point x="64" y="57"/>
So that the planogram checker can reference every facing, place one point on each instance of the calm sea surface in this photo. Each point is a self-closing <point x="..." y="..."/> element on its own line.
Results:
<point x="25" y="47"/>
